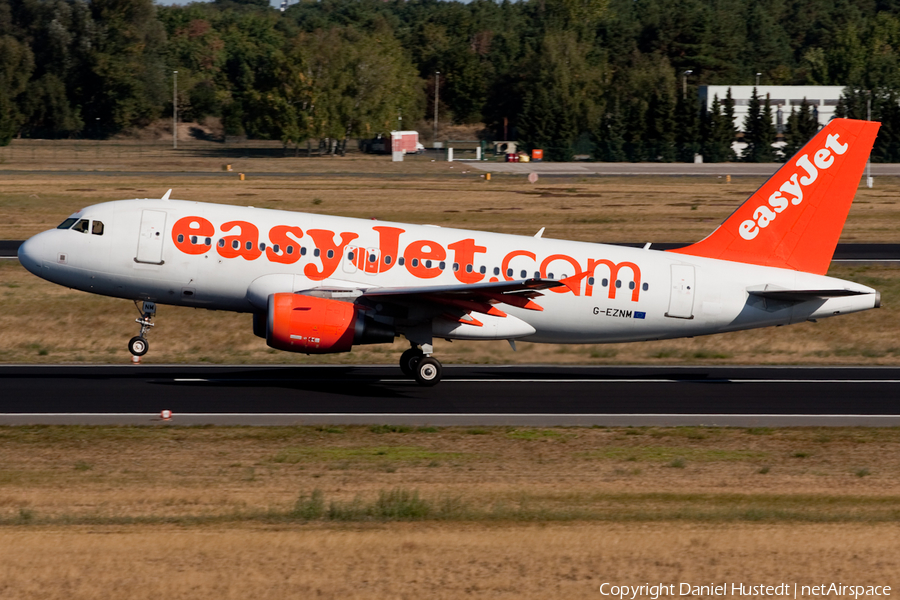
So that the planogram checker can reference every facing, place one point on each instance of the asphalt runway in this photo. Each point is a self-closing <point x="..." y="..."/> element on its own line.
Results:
<point x="468" y="395"/>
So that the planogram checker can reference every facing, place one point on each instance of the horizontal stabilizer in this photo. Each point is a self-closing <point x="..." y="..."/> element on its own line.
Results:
<point x="803" y="295"/>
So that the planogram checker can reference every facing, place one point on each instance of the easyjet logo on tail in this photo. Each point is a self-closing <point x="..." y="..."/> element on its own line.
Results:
<point x="791" y="191"/>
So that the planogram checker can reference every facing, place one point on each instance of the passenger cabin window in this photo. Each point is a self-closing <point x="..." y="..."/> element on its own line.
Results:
<point x="67" y="223"/>
<point x="81" y="226"/>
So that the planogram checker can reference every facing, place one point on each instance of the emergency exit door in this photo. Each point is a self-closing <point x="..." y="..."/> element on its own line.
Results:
<point x="681" y="296"/>
<point x="150" y="240"/>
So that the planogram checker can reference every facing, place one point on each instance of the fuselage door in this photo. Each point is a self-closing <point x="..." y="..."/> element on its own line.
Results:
<point x="150" y="241"/>
<point x="351" y="256"/>
<point x="681" y="299"/>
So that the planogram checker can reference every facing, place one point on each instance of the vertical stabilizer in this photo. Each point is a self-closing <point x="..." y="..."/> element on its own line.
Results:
<point x="795" y="219"/>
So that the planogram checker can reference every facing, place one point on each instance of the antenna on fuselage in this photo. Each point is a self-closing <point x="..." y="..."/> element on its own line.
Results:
<point x="540" y="233"/>
<point x="166" y="195"/>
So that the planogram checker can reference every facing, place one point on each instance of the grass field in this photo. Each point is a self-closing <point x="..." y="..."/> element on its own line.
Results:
<point x="387" y="512"/>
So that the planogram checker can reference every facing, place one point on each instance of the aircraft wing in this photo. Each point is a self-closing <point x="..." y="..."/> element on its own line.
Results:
<point x="475" y="297"/>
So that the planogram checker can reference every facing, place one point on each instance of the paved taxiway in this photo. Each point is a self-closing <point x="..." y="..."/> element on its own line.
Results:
<point x="468" y="395"/>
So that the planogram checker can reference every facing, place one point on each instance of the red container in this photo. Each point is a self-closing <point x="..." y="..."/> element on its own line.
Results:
<point x="537" y="154"/>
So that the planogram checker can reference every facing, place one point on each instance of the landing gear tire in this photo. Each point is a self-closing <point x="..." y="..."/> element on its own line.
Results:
<point x="428" y="371"/>
<point x="409" y="360"/>
<point x="138" y="346"/>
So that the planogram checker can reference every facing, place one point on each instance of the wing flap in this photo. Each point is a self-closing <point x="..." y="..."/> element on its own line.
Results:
<point x="476" y="297"/>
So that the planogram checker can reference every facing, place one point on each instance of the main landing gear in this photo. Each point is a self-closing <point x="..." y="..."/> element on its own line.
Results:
<point x="419" y="363"/>
<point x="138" y="345"/>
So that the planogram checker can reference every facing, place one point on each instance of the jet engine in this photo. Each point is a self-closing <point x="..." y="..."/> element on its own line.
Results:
<point x="312" y="325"/>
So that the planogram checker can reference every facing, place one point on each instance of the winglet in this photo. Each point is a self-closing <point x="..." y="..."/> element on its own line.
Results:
<point x="795" y="219"/>
<point x="166" y="195"/>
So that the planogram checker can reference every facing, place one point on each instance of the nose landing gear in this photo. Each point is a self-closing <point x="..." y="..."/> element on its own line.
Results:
<point x="138" y="345"/>
<point x="419" y="363"/>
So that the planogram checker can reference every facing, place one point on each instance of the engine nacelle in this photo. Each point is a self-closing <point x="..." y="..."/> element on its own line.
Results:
<point x="298" y="323"/>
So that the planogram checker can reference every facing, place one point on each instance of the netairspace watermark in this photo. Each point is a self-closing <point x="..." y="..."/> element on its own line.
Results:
<point x="709" y="590"/>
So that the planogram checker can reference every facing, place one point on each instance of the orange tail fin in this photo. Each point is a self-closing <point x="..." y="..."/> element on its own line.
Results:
<point x="795" y="219"/>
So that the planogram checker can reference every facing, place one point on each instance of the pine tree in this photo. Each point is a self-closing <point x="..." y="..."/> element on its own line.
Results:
<point x="609" y="138"/>
<point x="759" y="133"/>
<point x="766" y="133"/>
<point x="717" y="135"/>
<point x="661" y="127"/>
<point x="687" y="127"/>
<point x="887" y="110"/>
<point x="801" y="126"/>
<point x="635" y="130"/>
<point x="727" y="132"/>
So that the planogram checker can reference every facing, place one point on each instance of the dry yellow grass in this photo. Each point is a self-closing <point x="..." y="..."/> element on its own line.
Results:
<point x="217" y="513"/>
<point x="198" y="475"/>
<point x="434" y="561"/>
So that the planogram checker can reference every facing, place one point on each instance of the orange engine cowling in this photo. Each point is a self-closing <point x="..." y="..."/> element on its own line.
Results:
<point x="312" y="325"/>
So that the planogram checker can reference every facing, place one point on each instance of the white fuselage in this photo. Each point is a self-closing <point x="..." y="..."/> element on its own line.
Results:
<point x="627" y="294"/>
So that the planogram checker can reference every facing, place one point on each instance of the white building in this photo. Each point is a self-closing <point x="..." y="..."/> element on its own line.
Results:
<point x="822" y="99"/>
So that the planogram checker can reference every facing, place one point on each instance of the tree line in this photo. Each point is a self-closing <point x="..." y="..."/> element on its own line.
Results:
<point x="603" y="78"/>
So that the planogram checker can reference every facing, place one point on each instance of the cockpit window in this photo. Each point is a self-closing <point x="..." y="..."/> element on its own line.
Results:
<point x="67" y="223"/>
<point x="81" y="226"/>
<point x="97" y="228"/>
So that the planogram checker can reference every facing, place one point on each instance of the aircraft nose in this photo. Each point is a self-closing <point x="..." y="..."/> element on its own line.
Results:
<point x="31" y="253"/>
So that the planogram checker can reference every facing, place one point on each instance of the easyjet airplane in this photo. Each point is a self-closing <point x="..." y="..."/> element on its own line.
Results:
<point x="319" y="284"/>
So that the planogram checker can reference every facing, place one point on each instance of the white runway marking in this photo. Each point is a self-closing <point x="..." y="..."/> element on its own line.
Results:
<point x="565" y="380"/>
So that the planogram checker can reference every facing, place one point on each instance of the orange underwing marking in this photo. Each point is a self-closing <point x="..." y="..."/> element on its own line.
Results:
<point x="513" y="300"/>
<point x="468" y="305"/>
<point x="471" y="321"/>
